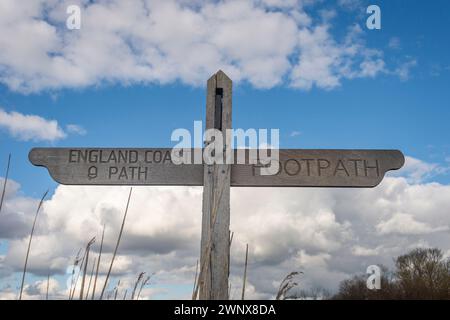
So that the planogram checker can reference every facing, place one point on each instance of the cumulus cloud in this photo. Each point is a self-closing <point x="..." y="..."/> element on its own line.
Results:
<point x="350" y="4"/>
<point x="417" y="171"/>
<point x="35" y="291"/>
<point x="323" y="62"/>
<point x="28" y="127"/>
<point x="76" y="129"/>
<point x="328" y="234"/>
<point x="403" y="223"/>
<point x="16" y="214"/>
<point x="362" y="251"/>
<point x="260" y="42"/>
<point x="404" y="70"/>
<point x="394" y="43"/>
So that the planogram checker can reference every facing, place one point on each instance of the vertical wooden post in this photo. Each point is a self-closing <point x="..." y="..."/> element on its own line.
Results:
<point x="215" y="241"/>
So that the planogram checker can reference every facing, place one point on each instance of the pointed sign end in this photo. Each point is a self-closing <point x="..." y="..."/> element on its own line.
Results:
<point x="220" y="75"/>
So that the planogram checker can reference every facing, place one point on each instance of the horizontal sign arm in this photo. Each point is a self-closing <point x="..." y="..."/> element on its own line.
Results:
<point x="154" y="166"/>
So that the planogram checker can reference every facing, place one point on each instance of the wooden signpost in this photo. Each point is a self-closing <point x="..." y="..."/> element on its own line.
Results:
<point x="155" y="166"/>
<point x="298" y="168"/>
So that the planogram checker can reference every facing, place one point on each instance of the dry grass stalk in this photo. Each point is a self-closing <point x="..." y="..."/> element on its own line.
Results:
<point x="195" y="278"/>
<point x="287" y="284"/>
<point x="139" y="278"/>
<point x="75" y="263"/>
<point x="29" y="244"/>
<point x="78" y="276"/>
<point x="86" y="262"/>
<point x="48" y="284"/>
<point x="90" y="278"/>
<point x="143" y="284"/>
<point x="245" y="273"/>
<point x="98" y="263"/>
<point x="229" y="252"/>
<point x="116" y="290"/>
<point x="117" y="245"/>
<point x="5" y="182"/>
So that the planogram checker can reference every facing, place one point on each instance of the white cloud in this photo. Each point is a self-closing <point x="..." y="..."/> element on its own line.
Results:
<point x="30" y="127"/>
<point x="371" y="68"/>
<point x="17" y="211"/>
<point x="280" y="3"/>
<point x="403" y="223"/>
<point x="404" y="70"/>
<point x="36" y="291"/>
<point x="295" y="133"/>
<point x="417" y="171"/>
<point x="323" y="62"/>
<point x="328" y="234"/>
<point x="351" y="4"/>
<point x="76" y="129"/>
<point x="249" y="40"/>
<point x="394" y="43"/>
<point x="364" y="252"/>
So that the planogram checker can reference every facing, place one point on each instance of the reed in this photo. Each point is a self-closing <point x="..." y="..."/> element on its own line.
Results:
<point x="48" y="284"/>
<point x="143" y="284"/>
<point x="117" y="245"/>
<point x="78" y="276"/>
<point x="139" y="278"/>
<point x="29" y="244"/>
<point x="245" y="274"/>
<point x="98" y="262"/>
<point x="116" y="290"/>
<point x="75" y="263"/>
<point x="195" y="278"/>
<point x="287" y="284"/>
<point x="5" y="182"/>
<point x="83" y="280"/>
<point x="90" y="279"/>
<point x="229" y="259"/>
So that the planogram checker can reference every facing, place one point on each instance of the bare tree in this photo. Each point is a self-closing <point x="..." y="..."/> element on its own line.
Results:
<point x="423" y="274"/>
<point x="419" y="274"/>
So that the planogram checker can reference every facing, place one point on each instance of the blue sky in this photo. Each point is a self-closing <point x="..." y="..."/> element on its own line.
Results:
<point x="403" y="106"/>
<point x="385" y="112"/>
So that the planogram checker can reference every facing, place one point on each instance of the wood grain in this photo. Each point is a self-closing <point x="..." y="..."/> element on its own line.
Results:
<point x="298" y="168"/>
<point x="215" y="246"/>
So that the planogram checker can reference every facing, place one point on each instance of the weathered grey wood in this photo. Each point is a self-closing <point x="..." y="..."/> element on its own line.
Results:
<point x="215" y="245"/>
<point x="121" y="166"/>
<point x="321" y="168"/>
<point x="298" y="168"/>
